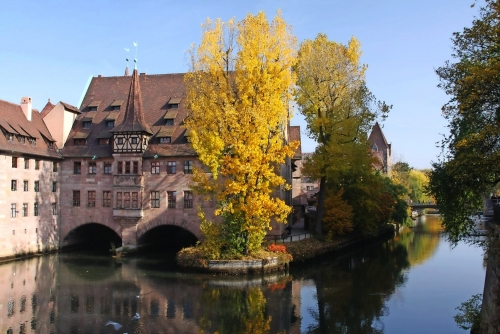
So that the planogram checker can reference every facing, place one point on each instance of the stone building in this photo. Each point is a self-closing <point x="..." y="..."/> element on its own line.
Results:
<point x="128" y="162"/>
<point x="380" y="149"/>
<point x="29" y="183"/>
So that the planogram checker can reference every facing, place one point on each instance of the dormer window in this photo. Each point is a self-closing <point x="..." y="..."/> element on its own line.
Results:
<point x="187" y="135"/>
<point x="165" y="140"/>
<point x="375" y="148"/>
<point x="80" y="138"/>
<point x="87" y="120"/>
<point x="116" y="105"/>
<point x="32" y="141"/>
<point x="110" y="124"/>
<point x="93" y="105"/>
<point x="51" y="145"/>
<point x="103" y="137"/>
<point x="79" y="142"/>
<point x="10" y="137"/>
<point x="87" y="124"/>
<point x="170" y="117"/>
<point x="173" y="103"/>
<point x="21" y="139"/>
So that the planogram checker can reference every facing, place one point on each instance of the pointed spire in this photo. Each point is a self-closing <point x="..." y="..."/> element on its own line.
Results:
<point x="133" y="120"/>
<point x="127" y="73"/>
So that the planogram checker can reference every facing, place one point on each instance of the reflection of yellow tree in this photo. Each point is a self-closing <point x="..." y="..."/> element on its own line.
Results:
<point x="234" y="311"/>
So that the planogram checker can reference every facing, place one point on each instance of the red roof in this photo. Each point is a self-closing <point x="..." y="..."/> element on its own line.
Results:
<point x="13" y="121"/>
<point x="155" y="93"/>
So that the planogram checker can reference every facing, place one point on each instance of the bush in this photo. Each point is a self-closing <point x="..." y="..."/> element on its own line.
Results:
<point x="276" y="248"/>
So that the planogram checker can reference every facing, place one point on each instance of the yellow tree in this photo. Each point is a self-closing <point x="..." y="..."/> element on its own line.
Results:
<point x="238" y="92"/>
<point x="336" y="104"/>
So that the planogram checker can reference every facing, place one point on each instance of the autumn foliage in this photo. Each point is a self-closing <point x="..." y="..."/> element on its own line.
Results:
<point x="238" y="93"/>
<point x="277" y="248"/>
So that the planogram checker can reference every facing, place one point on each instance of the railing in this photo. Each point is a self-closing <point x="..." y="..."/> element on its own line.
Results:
<point x="290" y="237"/>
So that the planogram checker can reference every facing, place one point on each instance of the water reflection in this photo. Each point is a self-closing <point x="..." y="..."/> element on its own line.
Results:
<point x="86" y="293"/>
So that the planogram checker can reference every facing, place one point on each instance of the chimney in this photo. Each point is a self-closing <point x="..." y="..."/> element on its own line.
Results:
<point x="26" y="106"/>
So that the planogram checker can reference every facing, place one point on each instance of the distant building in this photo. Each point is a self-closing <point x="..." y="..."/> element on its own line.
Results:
<point x="30" y="183"/>
<point x="380" y="149"/>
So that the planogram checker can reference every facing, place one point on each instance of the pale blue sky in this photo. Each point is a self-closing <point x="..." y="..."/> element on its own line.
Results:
<point x="49" y="49"/>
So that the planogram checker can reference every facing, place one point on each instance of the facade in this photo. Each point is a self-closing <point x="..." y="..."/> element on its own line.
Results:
<point x="29" y="183"/>
<point x="380" y="149"/>
<point x="128" y="162"/>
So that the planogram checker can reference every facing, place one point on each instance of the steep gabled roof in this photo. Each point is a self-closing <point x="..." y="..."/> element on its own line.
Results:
<point x="377" y="137"/>
<point x="133" y="120"/>
<point x="156" y="91"/>
<point x="12" y="118"/>
<point x="48" y="107"/>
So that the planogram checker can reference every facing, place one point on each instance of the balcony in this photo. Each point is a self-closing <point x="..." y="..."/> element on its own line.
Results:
<point x="128" y="213"/>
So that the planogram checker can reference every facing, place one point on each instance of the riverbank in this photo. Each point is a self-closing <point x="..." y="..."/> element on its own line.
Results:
<point x="265" y="261"/>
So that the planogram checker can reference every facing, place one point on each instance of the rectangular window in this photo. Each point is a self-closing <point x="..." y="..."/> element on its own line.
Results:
<point x="110" y="124"/>
<point x="169" y="121"/>
<point x="92" y="168"/>
<point x="120" y="167"/>
<point x="171" y="199"/>
<point x="119" y="200"/>
<point x="155" y="199"/>
<point x="155" y="167"/>
<point x="77" y="167"/>
<point x="37" y="164"/>
<point x="119" y="140"/>
<point x="188" y="167"/>
<point x="135" y="167"/>
<point x="54" y="208"/>
<point x="127" y="167"/>
<point x="165" y="140"/>
<point x="91" y="198"/>
<point x="106" y="199"/>
<point x="54" y="166"/>
<point x="13" y="185"/>
<point x="135" y="200"/>
<point x="107" y="168"/>
<point x="188" y="199"/>
<point x="171" y="168"/>
<point x="79" y="142"/>
<point x="35" y="209"/>
<point x="13" y="211"/>
<point x="26" y="163"/>
<point x="126" y="200"/>
<point x="87" y="124"/>
<point x="54" y="186"/>
<point x="76" y="197"/>
<point x="37" y="186"/>
<point x="103" y="141"/>
<point x="133" y="140"/>
<point x="25" y="209"/>
<point x="14" y="162"/>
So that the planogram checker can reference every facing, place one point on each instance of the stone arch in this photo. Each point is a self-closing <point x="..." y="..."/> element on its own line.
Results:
<point x="192" y="226"/>
<point x="67" y="228"/>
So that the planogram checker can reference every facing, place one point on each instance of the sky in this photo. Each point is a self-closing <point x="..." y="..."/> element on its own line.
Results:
<point x="50" y="50"/>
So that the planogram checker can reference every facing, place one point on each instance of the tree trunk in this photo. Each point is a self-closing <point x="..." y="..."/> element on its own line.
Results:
<point x="319" y="209"/>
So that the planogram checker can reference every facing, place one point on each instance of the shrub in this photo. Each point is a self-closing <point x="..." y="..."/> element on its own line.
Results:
<point x="276" y="248"/>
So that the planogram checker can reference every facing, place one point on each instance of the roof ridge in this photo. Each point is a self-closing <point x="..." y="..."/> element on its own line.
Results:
<point x="18" y="105"/>
<point x="149" y="75"/>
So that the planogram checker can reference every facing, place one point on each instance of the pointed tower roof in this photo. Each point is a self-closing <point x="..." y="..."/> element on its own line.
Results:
<point x="377" y="132"/>
<point x="127" y="73"/>
<point x="133" y="121"/>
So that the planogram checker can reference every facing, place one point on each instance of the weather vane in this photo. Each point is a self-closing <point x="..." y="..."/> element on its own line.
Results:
<point x="135" y="59"/>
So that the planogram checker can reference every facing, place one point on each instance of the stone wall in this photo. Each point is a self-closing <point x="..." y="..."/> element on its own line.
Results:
<point x="490" y="310"/>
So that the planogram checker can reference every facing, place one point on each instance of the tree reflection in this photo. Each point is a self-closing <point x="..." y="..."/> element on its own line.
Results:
<point x="228" y="310"/>
<point x="352" y="294"/>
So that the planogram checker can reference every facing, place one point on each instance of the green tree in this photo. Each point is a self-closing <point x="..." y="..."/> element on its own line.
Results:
<point x="469" y="167"/>
<point x="238" y="93"/>
<point x="336" y="104"/>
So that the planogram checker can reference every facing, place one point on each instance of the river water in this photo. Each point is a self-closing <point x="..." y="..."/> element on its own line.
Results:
<point x="409" y="284"/>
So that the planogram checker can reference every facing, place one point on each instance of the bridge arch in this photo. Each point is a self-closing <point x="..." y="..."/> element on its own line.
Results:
<point x="94" y="233"/>
<point x="192" y="226"/>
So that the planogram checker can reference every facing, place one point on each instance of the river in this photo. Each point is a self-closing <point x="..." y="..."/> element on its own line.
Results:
<point x="409" y="284"/>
